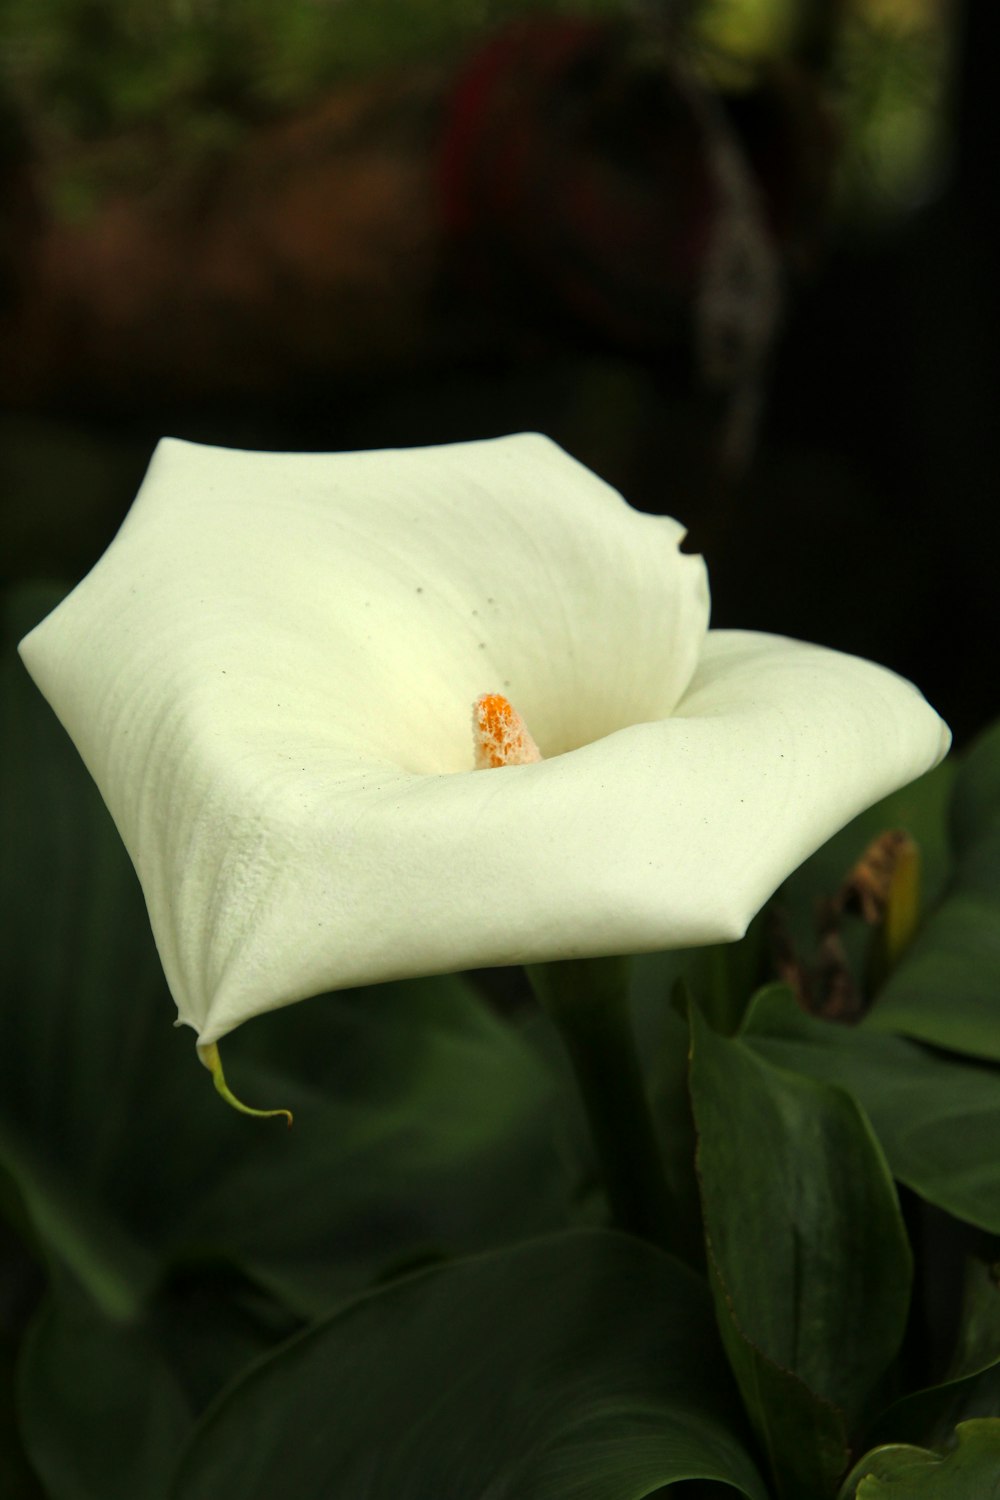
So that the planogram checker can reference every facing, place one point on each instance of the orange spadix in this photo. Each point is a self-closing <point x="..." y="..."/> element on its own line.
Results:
<point x="502" y="738"/>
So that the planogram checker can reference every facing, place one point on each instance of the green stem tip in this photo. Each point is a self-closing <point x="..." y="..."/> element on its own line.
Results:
<point x="209" y="1056"/>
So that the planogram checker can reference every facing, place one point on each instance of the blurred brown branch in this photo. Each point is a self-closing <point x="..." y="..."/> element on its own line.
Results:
<point x="572" y="183"/>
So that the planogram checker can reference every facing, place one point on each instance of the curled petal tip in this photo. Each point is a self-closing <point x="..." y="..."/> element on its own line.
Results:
<point x="209" y="1056"/>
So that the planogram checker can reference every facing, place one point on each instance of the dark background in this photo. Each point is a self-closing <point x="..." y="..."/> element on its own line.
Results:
<point x="749" y="276"/>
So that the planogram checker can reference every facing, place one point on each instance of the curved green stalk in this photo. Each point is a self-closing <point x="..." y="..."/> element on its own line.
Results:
<point x="587" y="1001"/>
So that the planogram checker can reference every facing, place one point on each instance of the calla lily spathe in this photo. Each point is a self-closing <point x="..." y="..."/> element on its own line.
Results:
<point x="271" y="672"/>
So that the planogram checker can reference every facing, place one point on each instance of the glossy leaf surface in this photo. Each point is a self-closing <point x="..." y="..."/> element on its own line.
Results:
<point x="808" y="1248"/>
<point x="971" y="1471"/>
<point x="579" y="1367"/>
<point x="937" y="1117"/>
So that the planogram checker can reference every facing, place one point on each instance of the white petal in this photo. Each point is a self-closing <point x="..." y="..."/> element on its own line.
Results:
<point x="270" y="675"/>
<point x="794" y="741"/>
<point x="665" y="834"/>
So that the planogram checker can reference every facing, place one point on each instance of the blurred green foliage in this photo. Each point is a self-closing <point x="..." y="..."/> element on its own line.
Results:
<point x="894" y="65"/>
<point x="193" y="72"/>
<point x="86" y="67"/>
<point x="887" y="64"/>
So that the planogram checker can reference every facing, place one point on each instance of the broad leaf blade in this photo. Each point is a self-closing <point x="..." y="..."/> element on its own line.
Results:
<point x="937" y="1117"/>
<point x="971" y="1471"/>
<point x="808" y="1246"/>
<point x="102" y="1416"/>
<point x="580" y="1367"/>
<point x="971" y="1387"/>
<point x="107" y="1403"/>
<point x="423" y="1127"/>
<point x="81" y="984"/>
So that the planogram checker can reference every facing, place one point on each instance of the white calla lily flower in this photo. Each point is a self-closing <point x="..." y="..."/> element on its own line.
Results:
<point x="272" y="672"/>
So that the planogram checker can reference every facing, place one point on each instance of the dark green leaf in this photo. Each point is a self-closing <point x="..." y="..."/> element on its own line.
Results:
<point x="808" y="1248"/>
<point x="947" y="988"/>
<point x="937" y="1117"/>
<point x="17" y="1479"/>
<point x="106" y="1402"/>
<point x="720" y="977"/>
<point x="580" y="1367"/>
<point x="975" y="804"/>
<point x="209" y="1322"/>
<point x="979" y="1334"/>
<point x="102" y="1416"/>
<point x="423" y="1126"/>
<point x="931" y="1415"/>
<point x="80" y="982"/>
<point x="971" y="1471"/>
<point x="971" y="1387"/>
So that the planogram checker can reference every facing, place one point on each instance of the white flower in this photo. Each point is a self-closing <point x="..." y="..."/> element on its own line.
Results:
<point x="271" y="677"/>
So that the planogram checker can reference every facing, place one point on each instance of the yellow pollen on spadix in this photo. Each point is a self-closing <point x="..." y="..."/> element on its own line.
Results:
<point x="501" y="736"/>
